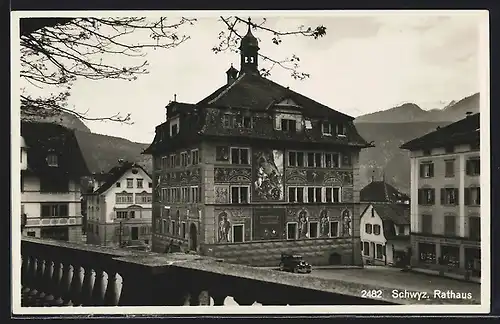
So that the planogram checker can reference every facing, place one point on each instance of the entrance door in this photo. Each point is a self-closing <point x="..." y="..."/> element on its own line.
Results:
<point x="135" y="233"/>
<point x="193" y="237"/>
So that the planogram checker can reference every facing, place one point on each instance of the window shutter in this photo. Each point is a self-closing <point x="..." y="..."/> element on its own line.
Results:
<point x="433" y="196"/>
<point x="467" y="196"/>
<point x="443" y="194"/>
<point x="456" y="196"/>
<point x="421" y="170"/>
<point x="467" y="167"/>
<point x="431" y="170"/>
<point x="420" y="196"/>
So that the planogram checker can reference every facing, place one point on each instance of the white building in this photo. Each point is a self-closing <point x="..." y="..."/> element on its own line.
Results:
<point x="119" y="211"/>
<point x="385" y="233"/>
<point x="51" y="167"/>
<point x="446" y="199"/>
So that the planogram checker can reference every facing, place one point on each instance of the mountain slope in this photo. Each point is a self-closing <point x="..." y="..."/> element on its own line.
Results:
<point x="410" y="112"/>
<point x="63" y="118"/>
<point x="101" y="152"/>
<point x="386" y="156"/>
<point x="391" y="128"/>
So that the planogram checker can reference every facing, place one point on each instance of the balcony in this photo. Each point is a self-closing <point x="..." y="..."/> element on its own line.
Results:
<point x="57" y="273"/>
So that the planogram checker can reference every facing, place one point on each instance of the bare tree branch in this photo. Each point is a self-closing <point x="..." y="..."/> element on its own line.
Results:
<point x="230" y="40"/>
<point x="55" y="52"/>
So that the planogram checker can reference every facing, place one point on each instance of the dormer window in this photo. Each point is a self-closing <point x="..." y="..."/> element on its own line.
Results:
<point x="52" y="160"/>
<point x="227" y="121"/>
<point x="341" y="130"/>
<point x="243" y="121"/>
<point x="327" y="129"/>
<point x="174" y="127"/>
<point x="289" y="125"/>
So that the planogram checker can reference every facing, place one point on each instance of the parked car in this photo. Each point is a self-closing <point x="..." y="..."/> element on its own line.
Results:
<point x="294" y="263"/>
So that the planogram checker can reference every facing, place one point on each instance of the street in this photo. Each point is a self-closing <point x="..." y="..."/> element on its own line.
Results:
<point x="393" y="278"/>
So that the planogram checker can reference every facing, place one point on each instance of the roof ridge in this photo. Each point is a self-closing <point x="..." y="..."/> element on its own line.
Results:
<point x="227" y="89"/>
<point x="386" y="193"/>
<point x="295" y="93"/>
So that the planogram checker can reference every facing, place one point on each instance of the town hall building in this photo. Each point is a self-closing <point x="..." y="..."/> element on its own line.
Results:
<point x="254" y="170"/>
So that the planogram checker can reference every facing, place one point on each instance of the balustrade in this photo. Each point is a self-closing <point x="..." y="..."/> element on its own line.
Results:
<point x="67" y="274"/>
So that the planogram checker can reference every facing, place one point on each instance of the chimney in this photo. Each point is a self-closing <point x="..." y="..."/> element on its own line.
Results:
<point x="232" y="74"/>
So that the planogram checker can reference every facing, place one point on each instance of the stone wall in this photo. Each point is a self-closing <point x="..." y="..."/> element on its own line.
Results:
<point x="322" y="251"/>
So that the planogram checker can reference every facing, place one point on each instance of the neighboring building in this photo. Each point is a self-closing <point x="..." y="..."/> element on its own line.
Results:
<point x="385" y="224"/>
<point x="51" y="167"/>
<point x="385" y="234"/>
<point x="256" y="169"/>
<point x="90" y="184"/>
<point x="119" y="211"/>
<point x="382" y="192"/>
<point x="445" y="192"/>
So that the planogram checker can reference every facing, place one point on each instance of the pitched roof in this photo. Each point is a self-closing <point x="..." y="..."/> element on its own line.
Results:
<point x="255" y="92"/>
<point x="398" y="214"/>
<point x="43" y="139"/>
<point x="381" y="191"/>
<point x="391" y="214"/>
<point x="250" y="91"/>
<point x="464" y="131"/>
<point x="116" y="173"/>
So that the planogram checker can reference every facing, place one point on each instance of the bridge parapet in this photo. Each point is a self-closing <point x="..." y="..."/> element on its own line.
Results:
<point x="55" y="273"/>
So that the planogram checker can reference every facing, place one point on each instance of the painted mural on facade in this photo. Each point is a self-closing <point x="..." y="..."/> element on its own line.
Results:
<point x="320" y="177"/>
<point x="303" y="224"/>
<point x="186" y="177"/>
<point x="235" y="216"/>
<point x="232" y="175"/>
<point x="224" y="228"/>
<point x="346" y="223"/>
<point x="269" y="224"/>
<point x="324" y="222"/>
<point x="268" y="175"/>
<point x="157" y="190"/>
<point x="221" y="195"/>
<point x="222" y="153"/>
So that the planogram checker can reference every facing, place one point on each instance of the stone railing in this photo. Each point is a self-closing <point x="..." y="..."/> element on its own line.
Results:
<point x="69" y="274"/>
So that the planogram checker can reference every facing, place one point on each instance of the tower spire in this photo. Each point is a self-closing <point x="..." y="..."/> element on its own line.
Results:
<point x="249" y="49"/>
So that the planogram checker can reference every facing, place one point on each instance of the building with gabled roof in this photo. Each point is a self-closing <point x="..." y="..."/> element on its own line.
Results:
<point x="382" y="192"/>
<point x="256" y="169"/>
<point x="119" y="209"/>
<point x="51" y="167"/>
<point x="385" y="233"/>
<point x="445" y="199"/>
<point x="385" y="224"/>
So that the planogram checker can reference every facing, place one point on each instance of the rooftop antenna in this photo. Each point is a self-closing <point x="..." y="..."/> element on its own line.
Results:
<point x="175" y="97"/>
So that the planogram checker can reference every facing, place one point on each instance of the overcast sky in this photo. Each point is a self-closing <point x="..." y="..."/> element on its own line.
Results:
<point x="363" y="64"/>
